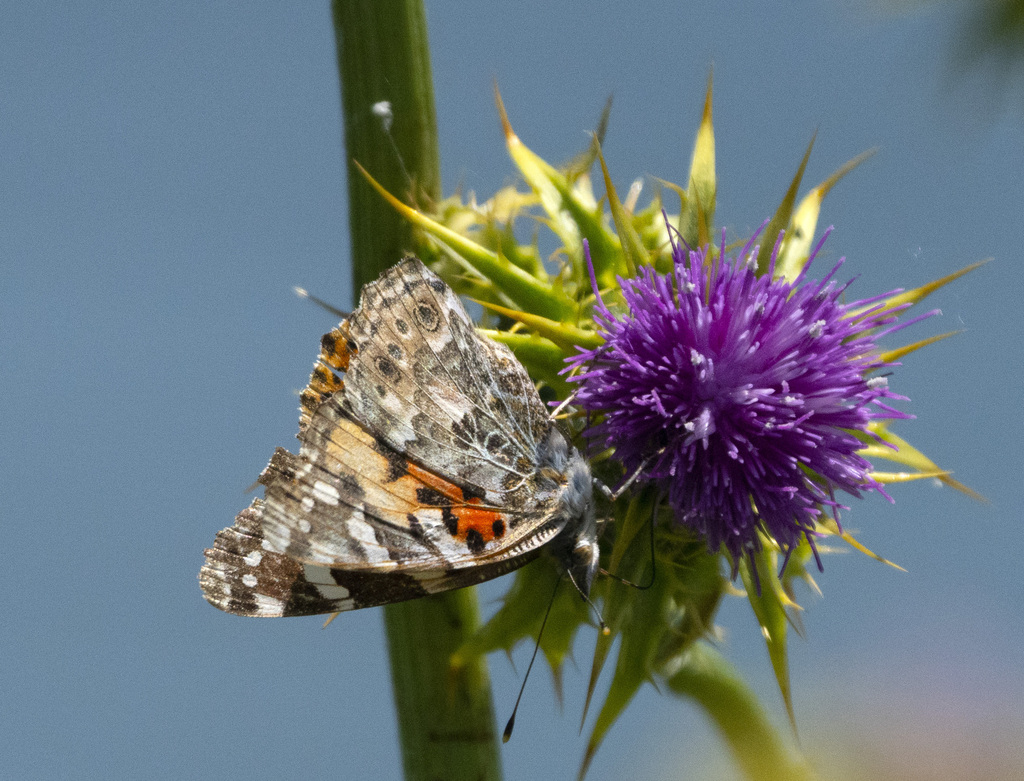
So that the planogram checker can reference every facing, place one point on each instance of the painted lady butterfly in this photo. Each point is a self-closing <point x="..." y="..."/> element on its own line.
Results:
<point x="431" y="466"/>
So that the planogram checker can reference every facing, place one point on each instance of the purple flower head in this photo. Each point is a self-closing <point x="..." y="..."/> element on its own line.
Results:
<point x="744" y="398"/>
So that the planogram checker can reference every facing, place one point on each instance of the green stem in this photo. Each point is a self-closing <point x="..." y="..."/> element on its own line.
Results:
<point x="757" y="747"/>
<point x="445" y="716"/>
<point x="383" y="55"/>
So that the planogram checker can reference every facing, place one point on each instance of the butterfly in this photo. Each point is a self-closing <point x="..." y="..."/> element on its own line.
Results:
<point x="430" y="465"/>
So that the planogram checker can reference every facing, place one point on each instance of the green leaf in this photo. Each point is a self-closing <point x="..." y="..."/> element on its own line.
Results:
<point x="637" y="652"/>
<point x="619" y="598"/>
<point x="522" y="613"/>
<point x="697" y="586"/>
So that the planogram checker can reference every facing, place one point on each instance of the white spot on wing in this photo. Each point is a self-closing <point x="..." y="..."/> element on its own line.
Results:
<point x="249" y="580"/>
<point x="308" y="503"/>
<point x="333" y="592"/>
<point x="324" y="582"/>
<point x="361" y="536"/>
<point x="326" y="493"/>
<point x="268" y="606"/>
<point x="253" y="559"/>
<point x="304" y="526"/>
<point x="285" y="535"/>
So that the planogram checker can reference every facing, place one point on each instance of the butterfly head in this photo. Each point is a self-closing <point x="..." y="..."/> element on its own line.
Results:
<point x="579" y="550"/>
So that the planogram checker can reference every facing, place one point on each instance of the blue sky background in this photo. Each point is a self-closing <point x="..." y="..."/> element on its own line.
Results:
<point x="171" y="170"/>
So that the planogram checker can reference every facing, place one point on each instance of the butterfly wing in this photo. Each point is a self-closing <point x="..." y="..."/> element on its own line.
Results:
<point x="242" y="576"/>
<point x="417" y="473"/>
<point x="423" y="380"/>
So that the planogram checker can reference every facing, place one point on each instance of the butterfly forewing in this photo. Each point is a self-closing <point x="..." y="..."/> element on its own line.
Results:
<point x="430" y="464"/>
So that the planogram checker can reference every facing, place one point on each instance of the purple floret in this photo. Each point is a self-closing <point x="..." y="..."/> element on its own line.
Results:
<point x="745" y="398"/>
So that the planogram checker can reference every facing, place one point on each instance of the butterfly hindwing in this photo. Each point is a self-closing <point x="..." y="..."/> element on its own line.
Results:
<point x="242" y="576"/>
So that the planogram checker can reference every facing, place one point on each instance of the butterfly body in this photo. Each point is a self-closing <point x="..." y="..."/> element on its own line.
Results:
<point x="430" y="463"/>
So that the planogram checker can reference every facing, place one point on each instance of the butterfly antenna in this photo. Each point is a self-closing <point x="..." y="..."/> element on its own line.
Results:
<point x="510" y="725"/>
<point x="301" y="292"/>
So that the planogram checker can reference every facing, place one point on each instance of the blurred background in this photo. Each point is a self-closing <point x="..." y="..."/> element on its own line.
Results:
<point x="170" y="171"/>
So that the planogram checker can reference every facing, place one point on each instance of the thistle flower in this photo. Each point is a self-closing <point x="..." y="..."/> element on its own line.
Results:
<point x="748" y="393"/>
<point x="745" y="398"/>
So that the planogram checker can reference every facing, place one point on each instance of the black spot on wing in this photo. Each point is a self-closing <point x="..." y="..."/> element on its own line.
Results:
<point x="386" y="367"/>
<point x="305" y="599"/>
<point x="475" y="541"/>
<point x="427" y="316"/>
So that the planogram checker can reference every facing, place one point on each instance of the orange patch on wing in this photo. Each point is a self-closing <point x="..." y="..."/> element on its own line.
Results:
<point x="324" y="381"/>
<point x="334" y="349"/>
<point x="487" y="523"/>
<point x="334" y="354"/>
<point x="396" y="498"/>
<point x="477" y="525"/>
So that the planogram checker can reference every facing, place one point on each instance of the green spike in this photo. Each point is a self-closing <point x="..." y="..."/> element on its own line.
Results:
<point x="564" y="335"/>
<point x="525" y="290"/>
<point x="829" y="524"/>
<point x="696" y="218"/>
<point x="633" y="249"/>
<point x="796" y="247"/>
<point x="891" y="356"/>
<point x="769" y="608"/>
<point x="569" y="218"/>
<point x="782" y="214"/>
<point x="908" y="455"/>
<point x="918" y="294"/>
